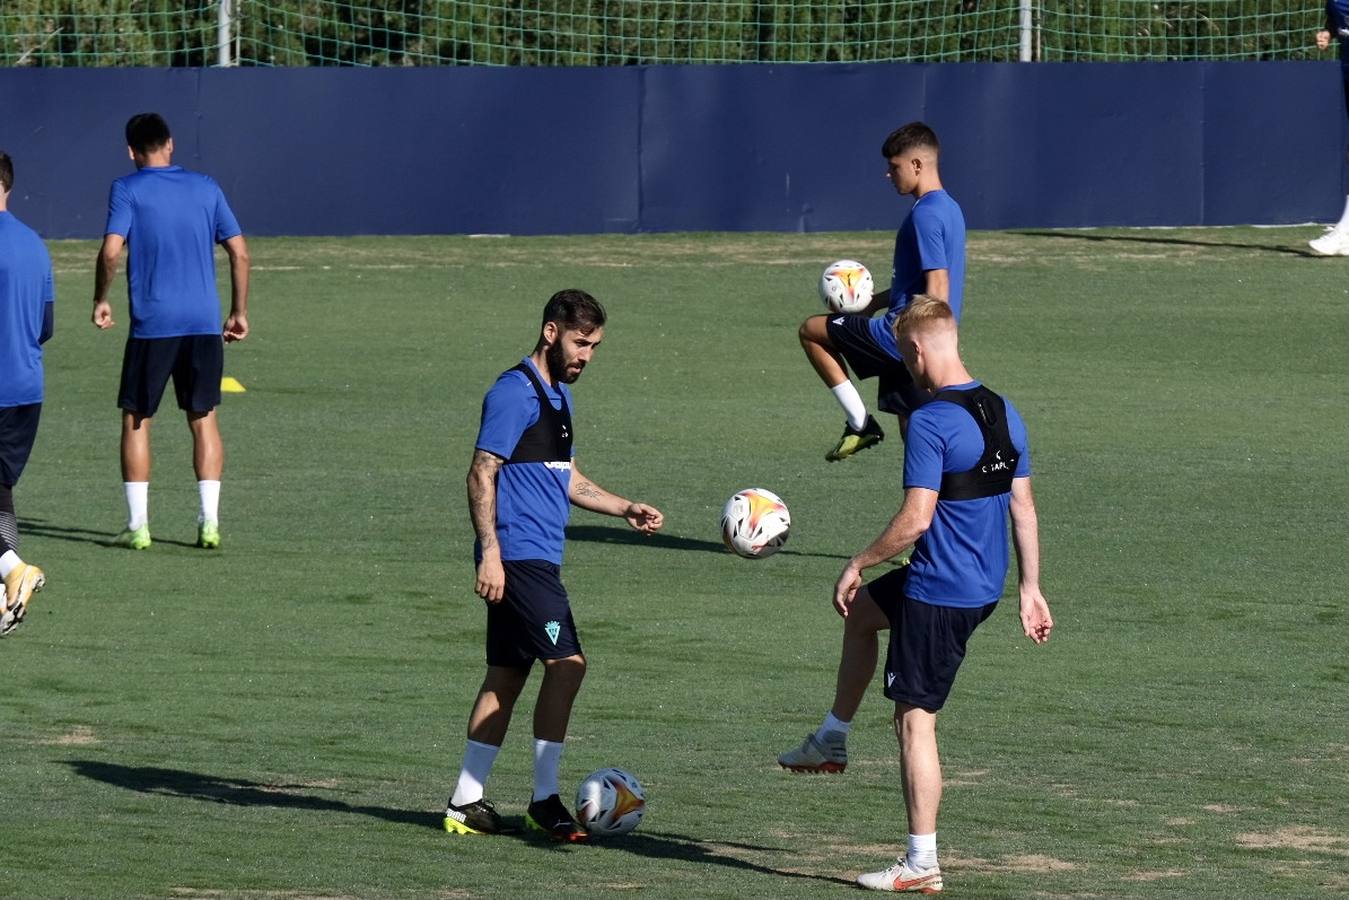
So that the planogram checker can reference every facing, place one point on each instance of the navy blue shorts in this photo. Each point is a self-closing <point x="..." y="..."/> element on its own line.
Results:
<point x="533" y="620"/>
<point x="18" y="430"/>
<point x="195" y="361"/>
<point x="896" y="392"/>
<point x="927" y="642"/>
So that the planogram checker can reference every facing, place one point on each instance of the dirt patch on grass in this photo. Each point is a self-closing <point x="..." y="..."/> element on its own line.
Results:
<point x="1221" y="809"/>
<point x="1029" y="863"/>
<point x="1177" y="821"/>
<point x="79" y="736"/>
<point x="208" y="894"/>
<point x="1297" y="837"/>
<point x="1155" y="875"/>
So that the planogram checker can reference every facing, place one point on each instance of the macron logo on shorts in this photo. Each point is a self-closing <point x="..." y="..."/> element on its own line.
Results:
<point x="889" y="676"/>
<point x="553" y="630"/>
<point x="838" y="321"/>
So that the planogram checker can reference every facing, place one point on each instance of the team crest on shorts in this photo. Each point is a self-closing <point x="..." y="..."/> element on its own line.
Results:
<point x="553" y="630"/>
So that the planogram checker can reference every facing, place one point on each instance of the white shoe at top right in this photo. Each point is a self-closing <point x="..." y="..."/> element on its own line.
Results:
<point x="1333" y="243"/>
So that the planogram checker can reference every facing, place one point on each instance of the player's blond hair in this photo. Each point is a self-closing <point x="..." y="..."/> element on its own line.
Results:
<point x="923" y="313"/>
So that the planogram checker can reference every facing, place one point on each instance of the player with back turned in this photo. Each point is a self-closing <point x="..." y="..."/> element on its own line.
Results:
<point x="170" y="220"/>
<point x="929" y="259"/>
<point x="27" y="295"/>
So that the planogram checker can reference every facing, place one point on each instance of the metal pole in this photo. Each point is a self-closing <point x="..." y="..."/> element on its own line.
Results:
<point x="1027" y="30"/>
<point x="223" y="26"/>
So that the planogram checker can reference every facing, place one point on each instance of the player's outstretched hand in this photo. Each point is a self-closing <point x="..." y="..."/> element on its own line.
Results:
<point x="491" y="581"/>
<point x="1036" y="621"/>
<point x="646" y="519"/>
<point x="102" y="316"/>
<point x="236" y="328"/>
<point x="845" y="589"/>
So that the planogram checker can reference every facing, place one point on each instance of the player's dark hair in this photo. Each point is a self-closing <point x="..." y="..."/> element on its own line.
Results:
<point x="6" y="172"/>
<point x="574" y="310"/>
<point x="146" y="132"/>
<point x="910" y="137"/>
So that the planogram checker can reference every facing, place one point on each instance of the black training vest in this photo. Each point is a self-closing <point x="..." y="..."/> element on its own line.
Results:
<point x="548" y="439"/>
<point x="993" y="473"/>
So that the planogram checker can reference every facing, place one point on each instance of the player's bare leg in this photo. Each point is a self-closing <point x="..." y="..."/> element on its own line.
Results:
<point x="826" y="750"/>
<point x="135" y="446"/>
<point x="208" y="459"/>
<point x="135" y="480"/>
<point x="920" y="762"/>
<point x="491" y="715"/>
<point x="857" y="663"/>
<point x="561" y="683"/>
<point x="208" y="453"/>
<point x="467" y="811"/>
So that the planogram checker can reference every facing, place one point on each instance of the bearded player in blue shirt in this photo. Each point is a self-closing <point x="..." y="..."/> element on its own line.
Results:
<point x="929" y="259"/>
<point x="27" y="295"/>
<point x="1335" y="242"/>
<point x="170" y="220"/>
<point x="521" y="486"/>
<point x="966" y="469"/>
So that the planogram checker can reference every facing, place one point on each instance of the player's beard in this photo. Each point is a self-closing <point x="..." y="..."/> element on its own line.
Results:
<point x="556" y="358"/>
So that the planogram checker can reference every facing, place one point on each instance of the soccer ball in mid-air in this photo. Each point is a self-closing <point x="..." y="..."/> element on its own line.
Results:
<point x="610" y="801"/>
<point x="845" y="287"/>
<point x="754" y="523"/>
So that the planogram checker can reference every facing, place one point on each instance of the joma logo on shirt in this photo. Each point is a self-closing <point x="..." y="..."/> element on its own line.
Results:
<point x="564" y="466"/>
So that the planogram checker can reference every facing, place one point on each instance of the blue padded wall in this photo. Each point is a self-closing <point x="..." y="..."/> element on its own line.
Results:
<point x="676" y="148"/>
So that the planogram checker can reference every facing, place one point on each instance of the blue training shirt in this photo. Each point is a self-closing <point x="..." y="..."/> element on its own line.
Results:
<point x="932" y="236"/>
<point x="962" y="559"/>
<point x="532" y="504"/>
<point x="171" y="219"/>
<point x="26" y="287"/>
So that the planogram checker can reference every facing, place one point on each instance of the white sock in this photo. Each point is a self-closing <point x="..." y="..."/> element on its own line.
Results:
<point x="845" y="393"/>
<point x="547" y="760"/>
<point x="922" y="851"/>
<point x="478" y="759"/>
<point x="137" y="503"/>
<point x="1343" y="223"/>
<point x="832" y="723"/>
<point x="210" y="501"/>
<point x="8" y="563"/>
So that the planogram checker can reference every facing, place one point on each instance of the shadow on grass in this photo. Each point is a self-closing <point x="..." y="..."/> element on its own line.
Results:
<point x="39" y="528"/>
<point x="681" y="847"/>
<point x="238" y="791"/>
<point x="604" y="534"/>
<point x="1145" y="239"/>
<point x="242" y="792"/>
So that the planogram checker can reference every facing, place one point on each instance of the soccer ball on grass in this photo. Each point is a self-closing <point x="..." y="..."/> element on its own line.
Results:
<point x="610" y="802"/>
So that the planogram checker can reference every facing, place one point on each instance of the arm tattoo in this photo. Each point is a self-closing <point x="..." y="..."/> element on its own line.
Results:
<point x="482" y="496"/>
<point x="586" y="489"/>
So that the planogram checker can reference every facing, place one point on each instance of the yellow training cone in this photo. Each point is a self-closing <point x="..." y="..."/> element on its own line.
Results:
<point x="231" y="385"/>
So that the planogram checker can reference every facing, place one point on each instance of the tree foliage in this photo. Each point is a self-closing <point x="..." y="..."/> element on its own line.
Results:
<point x="631" y="32"/>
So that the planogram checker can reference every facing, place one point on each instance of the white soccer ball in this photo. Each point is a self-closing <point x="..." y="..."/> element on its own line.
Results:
<point x="754" y="523"/>
<point x="610" y="801"/>
<point x="846" y="286"/>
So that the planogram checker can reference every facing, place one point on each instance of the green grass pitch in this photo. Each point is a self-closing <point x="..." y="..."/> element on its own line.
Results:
<point x="283" y="718"/>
